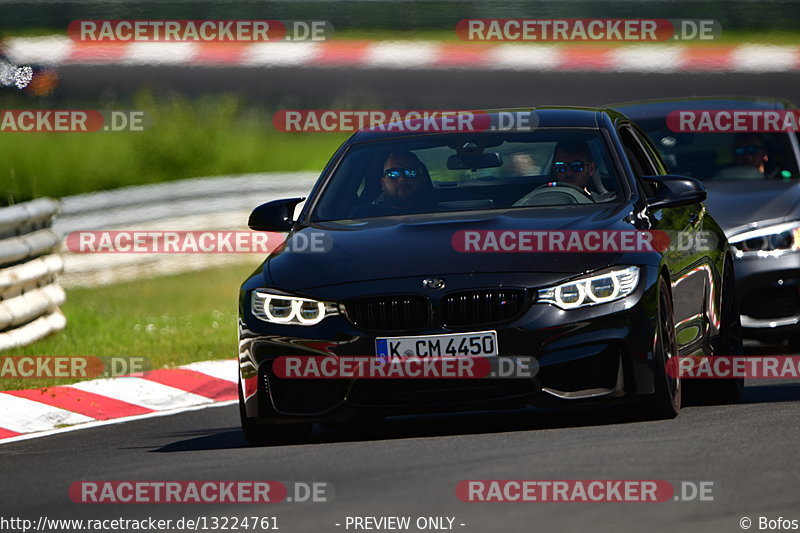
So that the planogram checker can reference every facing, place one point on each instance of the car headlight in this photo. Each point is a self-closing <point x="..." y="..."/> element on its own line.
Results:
<point x="284" y="309"/>
<point x="592" y="290"/>
<point x="771" y="240"/>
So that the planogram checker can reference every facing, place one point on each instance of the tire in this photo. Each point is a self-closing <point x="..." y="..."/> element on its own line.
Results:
<point x="270" y="434"/>
<point x="728" y="343"/>
<point x="665" y="402"/>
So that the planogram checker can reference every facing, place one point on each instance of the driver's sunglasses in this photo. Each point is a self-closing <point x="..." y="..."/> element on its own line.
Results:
<point x="751" y="149"/>
<point x="575" y="166"/>
<point x="396" y="173"/>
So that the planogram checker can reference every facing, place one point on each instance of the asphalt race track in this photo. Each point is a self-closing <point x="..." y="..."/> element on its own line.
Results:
<point x="410" y="466"/>
<point x="429" y="89"/>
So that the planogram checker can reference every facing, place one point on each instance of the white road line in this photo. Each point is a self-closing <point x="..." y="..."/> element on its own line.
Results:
<point x="227" y="370"/>
<point x="51" y="50"/>
<point x="764" y="58"/>
<point x="100" y="423"/>
<point x="648" y="58"/>
<point x="401" y="54"/>
<point x="278" y="54"/>
<point x="142" y="392"/>
<point x="56" y="50"/>
<point x="524" y="57"/>
<point x="23" y="415"/>
<point x="159" y="53"/>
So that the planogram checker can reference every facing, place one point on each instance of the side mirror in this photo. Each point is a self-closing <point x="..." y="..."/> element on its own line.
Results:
<point x="274" y="216"/>
<point x="674" y="191"/>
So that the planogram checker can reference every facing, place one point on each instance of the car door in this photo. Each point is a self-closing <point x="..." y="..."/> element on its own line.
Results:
<point x="690" y="268"/>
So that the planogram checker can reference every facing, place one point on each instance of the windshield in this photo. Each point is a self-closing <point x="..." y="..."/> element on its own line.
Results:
<point x="723" y="156"/>
<point x="467" y="172"/>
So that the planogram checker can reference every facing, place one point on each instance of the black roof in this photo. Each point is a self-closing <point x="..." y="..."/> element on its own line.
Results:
<point x="548" y="117"/>
<point x="659" y="108"/>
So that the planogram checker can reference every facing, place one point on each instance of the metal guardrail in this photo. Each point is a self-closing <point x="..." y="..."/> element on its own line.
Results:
<point x="199" y="204"/>
<point x="121" y="208"/>
<point x="30" y="296"/>
<point x="31" y="240"/>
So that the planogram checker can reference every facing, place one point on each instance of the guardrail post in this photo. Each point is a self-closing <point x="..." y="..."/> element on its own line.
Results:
<point x="30" y="297"/>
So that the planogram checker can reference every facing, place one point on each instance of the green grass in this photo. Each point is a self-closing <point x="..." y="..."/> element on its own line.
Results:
<point x="170" y="321"/>
<point x="183" y="138"/>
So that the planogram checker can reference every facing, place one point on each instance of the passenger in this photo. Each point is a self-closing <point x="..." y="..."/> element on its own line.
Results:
<point x="522" y="164"/>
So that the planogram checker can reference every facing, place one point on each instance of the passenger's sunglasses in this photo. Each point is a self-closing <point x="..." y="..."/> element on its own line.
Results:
<point x="575" y="166"/>
<point x="748" y="150"/>
<point x="396" y="173"/>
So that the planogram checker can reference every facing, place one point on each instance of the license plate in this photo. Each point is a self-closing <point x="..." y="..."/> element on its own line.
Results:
<point x="479" y="343"/>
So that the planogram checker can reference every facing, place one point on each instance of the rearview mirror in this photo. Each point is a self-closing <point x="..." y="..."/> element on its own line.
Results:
<point x="675" y="191"/>
<point x="277" y="215"/>
<point x="474" y="162"/>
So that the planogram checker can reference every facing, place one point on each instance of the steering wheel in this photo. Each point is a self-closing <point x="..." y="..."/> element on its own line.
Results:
<point x="560" y="193"/>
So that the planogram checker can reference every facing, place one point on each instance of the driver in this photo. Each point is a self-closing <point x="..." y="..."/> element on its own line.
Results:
<point x="573" y="164"/>
<point x="750" y="150"/>
<point x="750" y="157"/>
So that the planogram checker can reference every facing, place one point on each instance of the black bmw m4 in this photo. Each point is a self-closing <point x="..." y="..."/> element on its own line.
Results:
<point x="511" y="242"/>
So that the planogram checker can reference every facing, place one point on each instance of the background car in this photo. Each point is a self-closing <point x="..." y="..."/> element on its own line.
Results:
<point x="759" y="211"/>
<point x="603" y="325"/>
<point x="34" y="80"/>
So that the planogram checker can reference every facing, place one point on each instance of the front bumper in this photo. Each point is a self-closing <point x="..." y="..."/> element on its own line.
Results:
<point x="595" y="354"/>
<point x="769" y="295"/>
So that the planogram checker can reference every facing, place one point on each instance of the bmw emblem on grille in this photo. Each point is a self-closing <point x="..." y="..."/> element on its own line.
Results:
<point x="433" y="283"/>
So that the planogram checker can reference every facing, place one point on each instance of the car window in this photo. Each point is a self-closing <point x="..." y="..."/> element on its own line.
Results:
<point x="642" y="166"/>
<point x="708" y="156"/>
<point x="469" y="172"/>
<point x="654" y="158"/>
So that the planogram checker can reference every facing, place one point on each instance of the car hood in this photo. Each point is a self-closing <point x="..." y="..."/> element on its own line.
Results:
<point x="742" y="205"/>
<point x="389" y="248"/>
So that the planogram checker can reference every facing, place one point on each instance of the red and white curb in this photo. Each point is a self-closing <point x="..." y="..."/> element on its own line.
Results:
<point x="31" y="413"/>
<point x="746" y="58"/>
